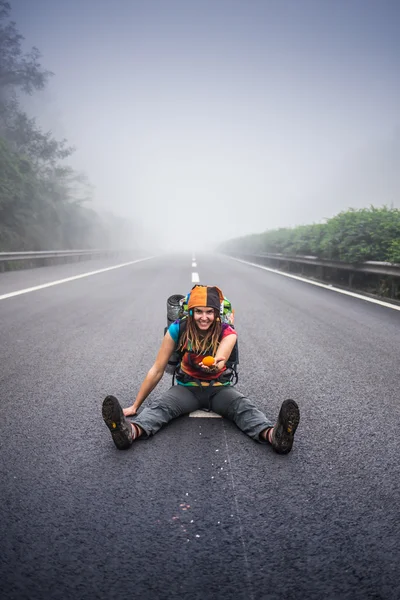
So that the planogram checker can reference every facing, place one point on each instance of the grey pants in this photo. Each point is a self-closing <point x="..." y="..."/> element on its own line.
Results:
<point x="223" y="400"/>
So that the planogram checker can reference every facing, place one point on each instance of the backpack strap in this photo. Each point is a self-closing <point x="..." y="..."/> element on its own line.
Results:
<point x="182" y="329"/>
<point x="178" y="354"/>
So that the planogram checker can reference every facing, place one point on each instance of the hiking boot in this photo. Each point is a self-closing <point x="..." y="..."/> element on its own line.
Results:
<point x="283" y="432"/>
<point x="120" y="427"/>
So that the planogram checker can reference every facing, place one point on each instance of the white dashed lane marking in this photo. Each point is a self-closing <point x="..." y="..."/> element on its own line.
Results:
<point x="205" y="414"/>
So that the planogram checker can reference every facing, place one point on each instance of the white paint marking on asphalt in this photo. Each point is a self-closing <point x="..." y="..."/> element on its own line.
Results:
<point x="205" y="414"/>
<point x="195" y="278"/>
<point x="51" y="283"/>
<point x="194" y="264"/>
<point x="323" y="285"/>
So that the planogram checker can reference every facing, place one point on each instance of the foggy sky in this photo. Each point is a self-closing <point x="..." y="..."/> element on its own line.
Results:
<point x="205" y="120"/>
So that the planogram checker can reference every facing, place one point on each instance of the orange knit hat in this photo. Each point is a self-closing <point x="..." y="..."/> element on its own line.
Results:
<point x="205" y="295"/>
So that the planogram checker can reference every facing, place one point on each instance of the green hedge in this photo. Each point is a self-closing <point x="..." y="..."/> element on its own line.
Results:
<point x="352" y="236"/>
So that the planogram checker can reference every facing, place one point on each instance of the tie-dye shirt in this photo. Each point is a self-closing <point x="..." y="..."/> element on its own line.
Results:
<point x="191" y="359"/>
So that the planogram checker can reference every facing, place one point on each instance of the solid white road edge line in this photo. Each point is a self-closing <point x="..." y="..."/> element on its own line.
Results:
<point x="323" y="285"/>
<point x="51" y="283"/>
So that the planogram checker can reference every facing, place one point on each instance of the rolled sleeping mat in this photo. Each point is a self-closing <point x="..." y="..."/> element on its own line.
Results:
<point x="173" y="308"/>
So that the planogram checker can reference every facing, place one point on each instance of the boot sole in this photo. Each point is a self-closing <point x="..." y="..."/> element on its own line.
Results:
<point x="288" y="420"/>
<point x="115" y="420"/>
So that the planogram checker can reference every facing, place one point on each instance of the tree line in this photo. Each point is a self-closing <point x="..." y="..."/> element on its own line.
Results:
<point x="352" y="236"/>
<point x="43" y="201"/>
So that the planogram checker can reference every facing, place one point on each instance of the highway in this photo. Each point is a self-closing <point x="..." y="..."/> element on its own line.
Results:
<point x="199" y="511"/>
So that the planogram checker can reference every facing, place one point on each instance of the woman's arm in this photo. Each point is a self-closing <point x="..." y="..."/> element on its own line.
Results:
<point x="223" y="353"/>
<point x="154" y="375"/>
<point x="224" y="350"/>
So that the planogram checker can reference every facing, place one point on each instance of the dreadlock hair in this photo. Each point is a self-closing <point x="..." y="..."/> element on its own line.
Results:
<point x="195" y="341"/>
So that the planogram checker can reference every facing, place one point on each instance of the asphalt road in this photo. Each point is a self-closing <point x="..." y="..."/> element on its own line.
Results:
<point x="199" y="510"/>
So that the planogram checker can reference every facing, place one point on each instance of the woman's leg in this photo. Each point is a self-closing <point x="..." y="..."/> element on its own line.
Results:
<point x="236" y="407"/>
<point x="233" y="405"/>
<point x="178" y="400"/>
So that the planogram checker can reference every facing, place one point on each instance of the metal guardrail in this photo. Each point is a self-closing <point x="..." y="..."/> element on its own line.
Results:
<point x="379" y="268"/>
<point x="370" y="277"/>
<point x="50" y="254"/>
<point x="45" y="256"/>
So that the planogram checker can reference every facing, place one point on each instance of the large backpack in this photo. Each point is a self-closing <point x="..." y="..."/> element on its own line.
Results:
<point x="177" y="309"/>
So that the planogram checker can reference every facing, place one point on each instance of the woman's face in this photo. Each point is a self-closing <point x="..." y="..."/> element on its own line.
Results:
<point x="203" y="317"/>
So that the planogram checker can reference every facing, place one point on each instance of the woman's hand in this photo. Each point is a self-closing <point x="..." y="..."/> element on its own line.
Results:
<point x="130" y="411"/>
<point x="218" y="365"/>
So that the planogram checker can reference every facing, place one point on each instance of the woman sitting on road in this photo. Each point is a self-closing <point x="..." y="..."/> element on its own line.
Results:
<point x="199" y="386"/>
